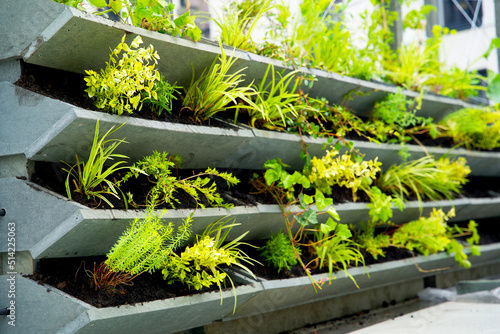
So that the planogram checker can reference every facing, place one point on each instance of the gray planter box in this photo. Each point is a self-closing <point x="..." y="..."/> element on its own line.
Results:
<point x="50" y="225"/>
<point x="281" y="294"/>
<point x="45" y="309"/>
<point x="64" y="38"/>
<point x="55" y="131"/>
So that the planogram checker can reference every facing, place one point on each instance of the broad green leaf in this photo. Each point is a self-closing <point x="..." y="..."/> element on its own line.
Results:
<point x="98" y="3"/>
<point x="343" y="231"/>
<point x="194" y="33"/>
<point x="493" y="92"/>
<point x="333" y="213"/>
<point x="495" y="44"/>
<point x="321" y="201"/>
<point x="308" y="199"/>
<point x="308" y="218"/>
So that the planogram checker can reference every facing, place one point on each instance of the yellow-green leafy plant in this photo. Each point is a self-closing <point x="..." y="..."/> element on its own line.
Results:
<point x="283" y="186"/>
<point x="201" y="264"/>
<point x="163" y="95"/>
<point x="427" y="235"/>
<point x="122" y="83"/>
<point x="280" y="252"/>
<point x="92" y="178"/>
<point x="335" y="248"/>
<point x="426" y="178"/>
<point x="143" y="247"/>
<point x="217" y="90"/>
<point x="158" y="167"/>
<point x="275" y="100"/>
<point x="153" y="15"/>
<point x="473" y="128"/>
<point x="342" y="171"/>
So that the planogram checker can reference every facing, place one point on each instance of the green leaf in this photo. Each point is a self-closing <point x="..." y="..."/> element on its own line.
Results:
<point x="98" y="3"/>
<point x="333" y="213"/>
<point x="321" y="201"/>
<point x="272" y="175"/>
<point x="308" y="218"/>
<point x="495" y="44"/>
<point x="493" y="92"/>
<point x="194" y="33"/>
<point x="308" y="199"/>
<point x="475" y="250"/>
<point x="343" y="231"/>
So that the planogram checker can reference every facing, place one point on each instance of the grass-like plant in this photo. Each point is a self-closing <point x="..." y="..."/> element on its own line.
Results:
<point x="237" y="24"/>
<point x="127" y="80"/>
<point x="158" y="167"/>
<point x="335" y="248"/>
<point x="91" y="177"/>
<point x="279" y="252"/>
<point x="473" y="128"/>
<point x="276" y="100"/>
<point x="217" y="90"/>
<point x="426" y="178"/>
<point x="200" y="265"/>
<point x="162" y="97"/>
<point x="143" y="247"/>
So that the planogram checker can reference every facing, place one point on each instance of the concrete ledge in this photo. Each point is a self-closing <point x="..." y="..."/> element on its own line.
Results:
<point x="53" y="131"/>
<point x="45" y="309"/>
<point x="297" y="291"/>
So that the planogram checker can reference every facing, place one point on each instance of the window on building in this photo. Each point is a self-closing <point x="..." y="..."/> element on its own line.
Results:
<point x="457" y="18"/>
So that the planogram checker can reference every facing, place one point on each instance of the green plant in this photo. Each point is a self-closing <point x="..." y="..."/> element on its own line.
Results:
<point x="239" y="21"/>
<point x="153" y="15"/>
<point x="124" y="84"/>
<point x="474" y="128"/>
<point x="90" y="178"/>
<point x="143" y="247"/>
<point x="158" y="167"/>
<point x="279" y="252"/>
<point x="275" y="101"/>
<point x="425" y="178"/>
<point x="216" y="90"/>
<point x="163" y="93"/>
<point x="200" y="265"/>
<point x="334" y="247"/>
<point x="427" y="235"/>
<point x="342" y="171"/>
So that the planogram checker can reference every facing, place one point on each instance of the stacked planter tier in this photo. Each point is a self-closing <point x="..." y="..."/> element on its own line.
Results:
<point x="37" y="128"/>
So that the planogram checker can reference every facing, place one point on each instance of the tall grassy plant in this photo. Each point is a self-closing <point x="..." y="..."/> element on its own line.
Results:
<point x="90" y="178"/>
<point x="276" y="100"/>
<point x="425" y="178"/>
<point x="237" y="25"/>
<point x="217" y="90"/>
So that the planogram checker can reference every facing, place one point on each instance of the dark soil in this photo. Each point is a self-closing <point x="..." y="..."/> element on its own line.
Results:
<point x="70" y="87"/>
<point x="71" y="275"/>
<point x="51" y="176"/>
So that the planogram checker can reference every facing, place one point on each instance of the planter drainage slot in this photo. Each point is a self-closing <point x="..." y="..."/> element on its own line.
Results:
<point x="4" y="311"/>
<point x="2" y="212"/>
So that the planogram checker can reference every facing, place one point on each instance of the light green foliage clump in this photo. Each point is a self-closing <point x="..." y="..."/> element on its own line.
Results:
<point x="152" y="15"/>
<point x="427" y="235"/>
<point x="335" y="248"/>
<point x="145" y="245"/>
<point x="239" y="20"/>
<point x="426" y="178"/>
<point x="342" y="171"/>
<point x="474" y="128"/>
<point x="276" y="101"/>
<point x="122" y="83"/>
<point x="217" y="90"/>
<point x="199" y="265"/>
<point x="92" y="177"/>
<point x="158" y="167"/>
<point x="279" y="252"/>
